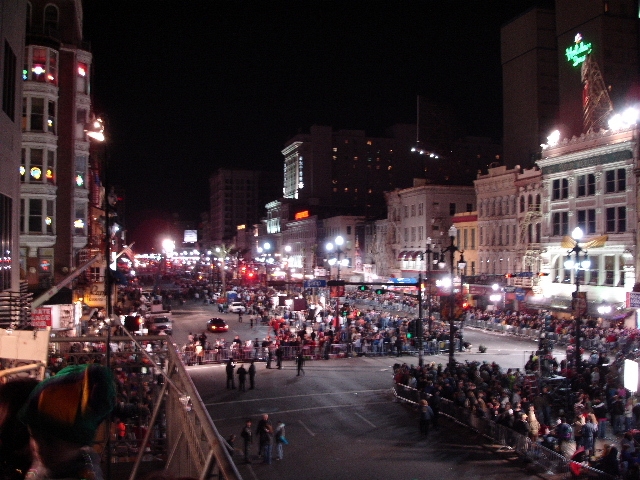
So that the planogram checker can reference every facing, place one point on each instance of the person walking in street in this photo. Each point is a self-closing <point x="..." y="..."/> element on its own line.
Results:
<point x="247" y="438"/>
<point x="252" y="375"/>
<point x="300" y="361"/>
<point x="279" y="355"/>
<point x="242" y="378"/>
<point x="426" y="416"/>
<point x="231" y="382"/>
<point x="281" y="440"/>
<point x="265" y="436"/>
<point x="251" y="321"/>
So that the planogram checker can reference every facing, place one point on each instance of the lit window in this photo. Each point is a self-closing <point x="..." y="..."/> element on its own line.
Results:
<point x="79" y="180"/>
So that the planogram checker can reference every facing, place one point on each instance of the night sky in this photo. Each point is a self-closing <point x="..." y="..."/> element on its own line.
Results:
<point x="187" y="87"/>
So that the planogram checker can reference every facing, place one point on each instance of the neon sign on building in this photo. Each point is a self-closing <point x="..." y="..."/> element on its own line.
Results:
<point x="577" y="53"/>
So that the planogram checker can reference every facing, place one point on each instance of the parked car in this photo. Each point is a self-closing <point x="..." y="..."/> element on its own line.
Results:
<point x="237" y="307"/>
<point x="216" y="325"/>
<point x="160" y="324"/>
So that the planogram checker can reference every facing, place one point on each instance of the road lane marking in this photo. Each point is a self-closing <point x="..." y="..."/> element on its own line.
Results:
<point x="306" y="428"/>
<point x="262" y="399"/>
<point x="358" y="415"/>
<point x="253" y="474"/>
<point x="306" y="409"/>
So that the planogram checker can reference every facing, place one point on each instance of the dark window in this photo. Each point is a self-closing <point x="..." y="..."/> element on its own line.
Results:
<point x="35" y="216"/>
<point x="469" y="207"/>
<point x="9" y="82"/>
<point x="615" y="180"/>
<point x="452" y="209"/>
<point x="560" y="189"/>
<point x="616" y="219"/>
<point x="37" y="114"/>
<point x="50" y="19"/>
<point x="5" y="242"/>
<point x="587" y="221"/>
<point x="560" y="223"/>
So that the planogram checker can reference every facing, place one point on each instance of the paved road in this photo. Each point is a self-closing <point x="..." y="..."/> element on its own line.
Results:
<point x="342" y="420"/>
<point x="342" y="423"/>
<point x="507" y="351"/>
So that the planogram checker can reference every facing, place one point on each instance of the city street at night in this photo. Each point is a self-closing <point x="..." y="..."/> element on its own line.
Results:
<point x="341" y="418"/>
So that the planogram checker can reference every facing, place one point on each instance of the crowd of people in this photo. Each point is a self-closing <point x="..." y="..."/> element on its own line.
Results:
<point x="600" y="409"/>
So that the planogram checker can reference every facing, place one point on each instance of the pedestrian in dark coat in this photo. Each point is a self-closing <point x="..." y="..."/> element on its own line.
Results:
<point x="264" y="431"/>
<point x="300" y="361"/>
<point x="252" y="375"/>
<point x="231" y="382"/>
<point x="279" y="355"/>
<point x="247" y="438"/>
<point x="242" y="378"/>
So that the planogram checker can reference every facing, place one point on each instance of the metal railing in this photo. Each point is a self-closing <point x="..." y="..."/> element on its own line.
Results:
<point x="184" y="443"/>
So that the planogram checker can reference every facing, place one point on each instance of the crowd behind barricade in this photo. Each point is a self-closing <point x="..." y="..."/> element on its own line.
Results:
<point x="594" y="413"/>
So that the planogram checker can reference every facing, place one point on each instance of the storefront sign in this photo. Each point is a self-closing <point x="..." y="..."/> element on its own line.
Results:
<point x="41" y="317"/>
<point x="95" y="297"/>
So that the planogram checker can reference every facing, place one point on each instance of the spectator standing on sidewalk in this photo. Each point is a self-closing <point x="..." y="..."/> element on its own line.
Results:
<point x="279" y="355"/>
<point x="600" y="411"/>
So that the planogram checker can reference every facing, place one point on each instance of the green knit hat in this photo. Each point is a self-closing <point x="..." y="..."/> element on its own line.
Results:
<point x="71" y="405"/>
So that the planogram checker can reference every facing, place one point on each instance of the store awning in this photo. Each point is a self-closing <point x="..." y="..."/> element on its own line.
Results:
<point x="402" y="255"/>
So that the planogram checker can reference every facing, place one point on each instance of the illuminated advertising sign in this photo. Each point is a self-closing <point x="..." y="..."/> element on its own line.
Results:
<point x="190" y="236"/>
<point x="301" y="215"/>
<point x="577" y="53"/>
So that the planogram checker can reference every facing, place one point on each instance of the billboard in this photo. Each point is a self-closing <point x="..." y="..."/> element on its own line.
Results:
<point x="190" y="236"/>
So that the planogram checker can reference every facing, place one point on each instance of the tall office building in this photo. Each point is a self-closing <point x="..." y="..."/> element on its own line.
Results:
<point x="237" y="198"/>
<point x="55" y="147"/>
<point x="12" y="22"/>
<point x="543" y="53"/>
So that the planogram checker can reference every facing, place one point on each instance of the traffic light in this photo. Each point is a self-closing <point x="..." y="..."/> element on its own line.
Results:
<point x="411" y="330"/>
<point x="508" y="275"/>
<point x="363" y="288"/>
<point x="380" y="291"/>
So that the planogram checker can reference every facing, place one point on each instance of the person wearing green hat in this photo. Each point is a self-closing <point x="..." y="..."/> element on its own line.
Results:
<point x="63" y="414"/>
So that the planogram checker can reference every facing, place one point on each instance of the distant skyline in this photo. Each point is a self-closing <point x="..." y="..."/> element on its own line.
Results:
<point x="190" y="87"/>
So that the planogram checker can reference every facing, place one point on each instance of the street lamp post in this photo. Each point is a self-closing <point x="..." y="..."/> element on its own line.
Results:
<point x="451" y="249"/>
<point x="287" y="249"/>
<point x="428" y="252"/>
<point x="579" y="303"/>
<point x="337" y="246"/>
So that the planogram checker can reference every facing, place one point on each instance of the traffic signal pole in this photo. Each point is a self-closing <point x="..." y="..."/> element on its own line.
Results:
<point x="419" y="324"/>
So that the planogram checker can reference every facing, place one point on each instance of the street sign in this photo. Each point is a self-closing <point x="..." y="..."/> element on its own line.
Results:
<point x="317" y="283"/>
<point x="403" y="280"/>
<point x="633" y="299"/>
<point x="509" y="289"/>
